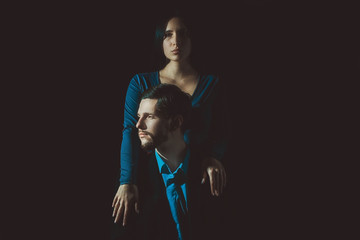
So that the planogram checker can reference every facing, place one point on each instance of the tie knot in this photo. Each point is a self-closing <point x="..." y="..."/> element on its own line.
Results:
<point x="178" y="179"/>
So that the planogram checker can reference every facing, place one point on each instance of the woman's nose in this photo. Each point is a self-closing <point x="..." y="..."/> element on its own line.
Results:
<point x="177" y="40"/>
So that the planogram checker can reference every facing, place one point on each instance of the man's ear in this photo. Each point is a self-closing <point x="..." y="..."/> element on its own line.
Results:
<point x="176" y="122"/>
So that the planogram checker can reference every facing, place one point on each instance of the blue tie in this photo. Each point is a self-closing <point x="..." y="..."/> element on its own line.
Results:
<point x="174" y="192"/>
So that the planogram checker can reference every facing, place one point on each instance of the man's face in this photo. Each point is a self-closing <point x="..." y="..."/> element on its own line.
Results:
<point x="152" y="129"/>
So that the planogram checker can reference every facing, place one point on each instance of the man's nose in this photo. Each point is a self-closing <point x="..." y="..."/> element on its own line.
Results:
<point x="140" y="124"/>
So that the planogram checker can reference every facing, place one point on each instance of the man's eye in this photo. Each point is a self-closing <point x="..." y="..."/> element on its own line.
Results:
<point x="150" y="116"/>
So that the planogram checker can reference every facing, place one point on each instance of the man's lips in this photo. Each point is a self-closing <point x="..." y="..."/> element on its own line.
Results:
<point x="142" y="134"/>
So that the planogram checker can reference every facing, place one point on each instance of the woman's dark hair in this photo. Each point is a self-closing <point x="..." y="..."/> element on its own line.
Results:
<point x="171" y="102"/>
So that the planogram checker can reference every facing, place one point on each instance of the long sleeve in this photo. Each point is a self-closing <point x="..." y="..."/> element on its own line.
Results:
<point x="219" y="128"/>
<point x="130" y="145"/>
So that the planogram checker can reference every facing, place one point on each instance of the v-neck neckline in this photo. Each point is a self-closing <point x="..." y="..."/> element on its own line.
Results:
<point x="196" y="88"/>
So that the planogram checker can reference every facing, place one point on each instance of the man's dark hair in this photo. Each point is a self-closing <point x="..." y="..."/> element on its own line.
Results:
<point x="171" y="102"/>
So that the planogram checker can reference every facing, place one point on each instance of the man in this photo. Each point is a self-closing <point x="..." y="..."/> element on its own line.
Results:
<point x="172" y="199"/>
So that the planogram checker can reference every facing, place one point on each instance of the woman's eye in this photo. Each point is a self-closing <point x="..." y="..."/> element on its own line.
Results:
<point x="166" y="35"/>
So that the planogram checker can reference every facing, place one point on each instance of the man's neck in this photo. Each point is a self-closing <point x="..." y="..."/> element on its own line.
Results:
<point x="173" y="154"/>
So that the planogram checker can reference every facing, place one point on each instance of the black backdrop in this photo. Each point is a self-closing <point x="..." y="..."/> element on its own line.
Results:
<point x="283" y="64"/>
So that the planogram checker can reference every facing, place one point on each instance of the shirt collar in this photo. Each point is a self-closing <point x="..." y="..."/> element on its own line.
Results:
<point x="163" y="167"/>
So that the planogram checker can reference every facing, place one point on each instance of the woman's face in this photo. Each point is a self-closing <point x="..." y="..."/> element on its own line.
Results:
<point x="176" y="44"/>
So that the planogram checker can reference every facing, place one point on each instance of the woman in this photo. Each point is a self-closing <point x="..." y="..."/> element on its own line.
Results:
<point x="206" y="130"/>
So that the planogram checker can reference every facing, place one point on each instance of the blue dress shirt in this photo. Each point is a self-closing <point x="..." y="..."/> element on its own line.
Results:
<point x="175" y="184"/>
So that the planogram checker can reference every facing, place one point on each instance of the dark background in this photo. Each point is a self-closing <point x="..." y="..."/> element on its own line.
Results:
<point x="290" y="71"/>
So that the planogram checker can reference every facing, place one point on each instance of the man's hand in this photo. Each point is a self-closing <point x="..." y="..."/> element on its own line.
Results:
<point x="126" y="197"/>
<point x="217" y="175"/>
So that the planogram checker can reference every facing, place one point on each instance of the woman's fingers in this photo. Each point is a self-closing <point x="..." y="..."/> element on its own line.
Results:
<point x="224" y="177"/>
<point x="221" y="181"/>
<point x="211" y="180"/>
<point x="137" y="208"/>
<point x="204" y="177"/>
<point x="217" y="180"/>
<point x="126" y="214"/>
<point x="113" y="202"/>
<point x="126" y="197"/>
<point x="217" y="176"/>
<point x="214" y="181"/>
<point x="119" y="212"/>
<point x="217" y="184"/>
<point x="116" y="206"/>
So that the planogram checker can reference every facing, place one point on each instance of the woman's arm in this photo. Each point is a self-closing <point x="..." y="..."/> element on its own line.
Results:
<point x="217" y="141"/>
<point x="126" y="199"/>
<point x="130" y="144"/>
<point x="219" y="125"/>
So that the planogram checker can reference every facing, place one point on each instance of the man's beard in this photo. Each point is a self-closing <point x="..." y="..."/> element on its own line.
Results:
<point x="153" y="141"/>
